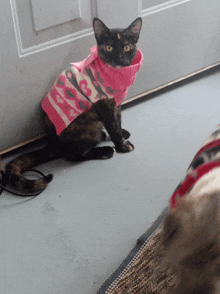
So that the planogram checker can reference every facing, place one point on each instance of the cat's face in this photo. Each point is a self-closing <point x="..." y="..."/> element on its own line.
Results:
<point x="117" y="47"/>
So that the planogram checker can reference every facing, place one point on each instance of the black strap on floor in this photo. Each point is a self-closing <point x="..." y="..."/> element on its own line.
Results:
<point x="3" y="185"/>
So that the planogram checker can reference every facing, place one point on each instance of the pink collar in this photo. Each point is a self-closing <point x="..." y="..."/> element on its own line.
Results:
<point x="135" y="66"/>
<point x="119" y="79"/>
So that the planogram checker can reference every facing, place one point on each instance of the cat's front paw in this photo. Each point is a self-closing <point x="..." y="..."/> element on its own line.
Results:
<point x="125" y="134"/>
<point x="126" y="146"/>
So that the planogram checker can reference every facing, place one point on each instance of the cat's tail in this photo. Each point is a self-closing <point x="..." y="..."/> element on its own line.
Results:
<point x="14" y="170"/>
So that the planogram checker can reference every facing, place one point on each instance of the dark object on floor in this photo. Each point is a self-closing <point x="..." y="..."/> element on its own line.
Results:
<point x="3" y="182"/>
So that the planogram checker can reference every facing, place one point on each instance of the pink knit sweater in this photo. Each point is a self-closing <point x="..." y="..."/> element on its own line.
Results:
<point x="88" y="81"/>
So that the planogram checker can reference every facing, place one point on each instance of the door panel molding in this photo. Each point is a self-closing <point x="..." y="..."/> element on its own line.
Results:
<point x="30" y="42"/>
<point x="157" y="8"/>
<point x="47" y="14"/>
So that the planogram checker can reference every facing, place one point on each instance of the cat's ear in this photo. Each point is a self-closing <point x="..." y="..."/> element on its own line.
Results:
<point x="99" y="28"/>
<point x="134" y="28"/>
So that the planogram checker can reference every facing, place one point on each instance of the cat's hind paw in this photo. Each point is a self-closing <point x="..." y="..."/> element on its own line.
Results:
<point x="105" y="152"/>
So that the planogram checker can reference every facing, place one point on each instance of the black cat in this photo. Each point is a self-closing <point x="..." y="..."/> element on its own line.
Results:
<point x="76" y="140"/>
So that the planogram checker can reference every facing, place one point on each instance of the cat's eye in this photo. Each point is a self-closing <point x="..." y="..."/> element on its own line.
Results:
<point x="109" y="48"/>
<point x="127" y="48"/>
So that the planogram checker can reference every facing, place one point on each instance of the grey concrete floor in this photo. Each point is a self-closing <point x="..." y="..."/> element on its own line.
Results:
<point x="74" y="235"/>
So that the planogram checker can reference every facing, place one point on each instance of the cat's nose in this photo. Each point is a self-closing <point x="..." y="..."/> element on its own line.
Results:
<point x="123" y="61"/>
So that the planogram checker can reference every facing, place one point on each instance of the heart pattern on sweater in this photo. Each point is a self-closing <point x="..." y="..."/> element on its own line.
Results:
<point x="60" y="82"/>
<point x="110" y="90"/>
<point x="84" y="88"/>
<point x="82" y="106"/>
<point x="69" y="94"/>
<point x="59" y="100"/>
<point x="72" y="113"/>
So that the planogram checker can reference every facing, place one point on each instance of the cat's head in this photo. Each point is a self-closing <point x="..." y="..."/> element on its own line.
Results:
<point x="117" y="47"/>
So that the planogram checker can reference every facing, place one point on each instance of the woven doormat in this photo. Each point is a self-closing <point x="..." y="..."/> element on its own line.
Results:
<point x="142" y="271"/>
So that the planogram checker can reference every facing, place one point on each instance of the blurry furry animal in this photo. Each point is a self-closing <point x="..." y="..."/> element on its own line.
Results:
<point x="191" y="239"/>
<point x="191" y="230"/>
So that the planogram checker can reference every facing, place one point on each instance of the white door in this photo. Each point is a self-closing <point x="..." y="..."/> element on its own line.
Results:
<point x="39" y="38"/>
<point x="179" y="38"/>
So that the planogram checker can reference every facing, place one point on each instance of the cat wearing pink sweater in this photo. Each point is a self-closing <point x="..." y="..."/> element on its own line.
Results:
<point x="84" y="99"/>
<point x="76" y="90"/>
